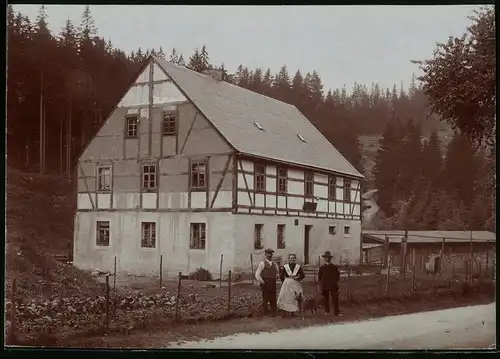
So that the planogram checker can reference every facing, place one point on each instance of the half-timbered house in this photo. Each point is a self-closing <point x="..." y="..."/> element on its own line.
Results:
<point x="191" y="167"/>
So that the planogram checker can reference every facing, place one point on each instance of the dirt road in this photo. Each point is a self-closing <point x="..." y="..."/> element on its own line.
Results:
<point x="457" y="328"/>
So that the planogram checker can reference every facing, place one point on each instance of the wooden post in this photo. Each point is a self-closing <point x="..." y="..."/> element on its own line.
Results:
<point x="487" y="256"/>
<point x="161" y="270"/>
<point x="347" y="285"/>
<point x="413" y="255"/>
<point x="319" y="261"/>
<point x="453" y="273"/>
<point x="387" y="280"/>
<point x="386" y="251"/>
<point x="470" y="259"/>
<point x="114" y="279"/>
<point x="434" y="281"/>
<point x="220" y="270"/>
<point x="315" y="283"/>
<point x="177" y="297"/>
<point x="12" y="333"/>
<point x="441" y="259"/>
<point x="229" y="293"/>
<point x="251" y="267"/>
<point x="403" y="253"/>
<point x="106" y="322"/>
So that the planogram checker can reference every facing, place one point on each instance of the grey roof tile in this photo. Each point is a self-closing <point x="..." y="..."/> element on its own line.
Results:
<point x="233" y="111"/>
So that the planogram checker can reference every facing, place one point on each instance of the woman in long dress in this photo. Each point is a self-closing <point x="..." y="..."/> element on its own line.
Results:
<point x="291" y="274"/>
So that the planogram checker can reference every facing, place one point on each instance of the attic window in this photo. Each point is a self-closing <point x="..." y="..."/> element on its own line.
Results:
<point x="301" y="138"/>
<point x="259" y="126"/>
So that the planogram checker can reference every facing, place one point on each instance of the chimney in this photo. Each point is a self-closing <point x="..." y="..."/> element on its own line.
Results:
<point x="215" y="74"/>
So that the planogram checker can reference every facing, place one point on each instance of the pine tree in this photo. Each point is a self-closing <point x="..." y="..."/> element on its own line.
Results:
<point x="204" y="59"/>
<point x="86" y="31"/>
<point x="181" y="62"/>
<point x="174" y="58"/>
<point x="432" y="160"/>
<point x="161" y="54"/>
<point x="386" y="169"/>
<point x="281" y="85"/>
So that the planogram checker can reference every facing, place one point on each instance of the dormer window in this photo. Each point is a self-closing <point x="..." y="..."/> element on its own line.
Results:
<point x="258" y="126"/>
<point x="301" y="138"/>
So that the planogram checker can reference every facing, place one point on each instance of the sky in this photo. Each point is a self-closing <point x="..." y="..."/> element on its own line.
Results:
<point x="344" y="44"/>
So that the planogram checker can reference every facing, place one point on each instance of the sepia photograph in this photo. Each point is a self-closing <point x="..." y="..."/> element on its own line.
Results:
<point x="250" y="177"/>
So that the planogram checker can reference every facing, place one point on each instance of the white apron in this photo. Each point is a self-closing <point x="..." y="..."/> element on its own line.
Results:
<point x="286" y="298"/>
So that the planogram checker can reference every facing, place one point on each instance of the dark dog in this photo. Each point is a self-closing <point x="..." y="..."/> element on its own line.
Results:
<point x="306" y="304"/>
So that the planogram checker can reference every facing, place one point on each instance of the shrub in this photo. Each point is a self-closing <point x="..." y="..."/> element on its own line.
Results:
<point x="201" y="274"/>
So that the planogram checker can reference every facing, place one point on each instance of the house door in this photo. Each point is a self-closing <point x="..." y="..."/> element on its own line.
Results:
<point x="307" y="232"/>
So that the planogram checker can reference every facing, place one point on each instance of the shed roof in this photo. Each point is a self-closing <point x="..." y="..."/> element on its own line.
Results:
<point x="395" y="236"/>
<point x="237" y="114"/>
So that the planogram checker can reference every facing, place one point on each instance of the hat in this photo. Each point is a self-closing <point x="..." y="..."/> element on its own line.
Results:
<point x="269" y="250"/>
<point x="327" y="255"/>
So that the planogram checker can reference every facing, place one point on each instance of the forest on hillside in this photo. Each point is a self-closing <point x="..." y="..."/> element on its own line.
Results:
<point x="62" y="86"/>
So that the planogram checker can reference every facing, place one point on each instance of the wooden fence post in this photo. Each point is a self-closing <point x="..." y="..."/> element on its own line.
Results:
<point x="441" y="259"/>
<point x="386" y="251"/>
<point x="177" y="297"/>
<point x="220" y="270"/>
<point x="387" y="280"/>
<point x="404" y="241"/>
<point x="315" y="284"/>
<point x="453" y="273"/>
<point x="347" y="285"/>
<point x="114" y="279"/>
<point x="413" y="255"/>
<point x="161" y="270"/>
<point x="229" y="293"/>
<point x="12" y="333"/>
<point x="487" y="256"/>
<point x="251" y="267"/>
<point x="106" y="322"/>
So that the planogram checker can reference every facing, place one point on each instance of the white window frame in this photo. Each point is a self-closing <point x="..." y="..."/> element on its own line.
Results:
<point x="100" y="176"/>
<point x="199" y="229"/>
<point x="146" y="177"/>
<point x="148" y="228"/>
<point x="348" y="228"/>
<point x="98" y="233"/>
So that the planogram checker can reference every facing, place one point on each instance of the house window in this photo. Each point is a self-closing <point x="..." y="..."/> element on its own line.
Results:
<point x="282" y="180"/>
<point x="260" y="177"/>
<point x="347" y="190"/>
<point x="198" y="236"/>
<point x="149" y="176"/>
<point x="347" y="230"/>
<point x="309" y="184"/>
<point x="332" y="187"/>
<point x="281" y="236"/>
<point x="198" y="174"/>
<point x="132" y="126"/>
<point x="104" y="178"/>
<point x="332" y="230"/>
<point x="258" y="243"/>
<point x="148" y="238"/>
<point x="102" y="235"/>
<point x="169" y="124"/>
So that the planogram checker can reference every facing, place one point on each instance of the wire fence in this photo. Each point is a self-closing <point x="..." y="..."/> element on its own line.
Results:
<point x="185" y="299"/>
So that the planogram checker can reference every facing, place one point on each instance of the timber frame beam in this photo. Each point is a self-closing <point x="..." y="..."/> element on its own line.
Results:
<point x="246" y="183"/>
<point x="219" y="185"/>
<point x="86" y="185"/>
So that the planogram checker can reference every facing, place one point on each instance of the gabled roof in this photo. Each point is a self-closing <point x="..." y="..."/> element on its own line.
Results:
<point x="237" y="114"/>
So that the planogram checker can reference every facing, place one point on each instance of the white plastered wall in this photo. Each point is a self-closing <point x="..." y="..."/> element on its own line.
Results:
<point x="172" y="241"/>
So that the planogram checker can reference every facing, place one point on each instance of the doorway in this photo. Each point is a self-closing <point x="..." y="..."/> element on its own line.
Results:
<point x="307" y="235"/>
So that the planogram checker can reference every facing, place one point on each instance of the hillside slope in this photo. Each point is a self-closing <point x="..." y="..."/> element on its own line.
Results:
<point x="39" y="224"/>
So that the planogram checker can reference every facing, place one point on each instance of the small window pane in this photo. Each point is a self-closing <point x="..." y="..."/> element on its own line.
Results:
<point x="258" y="242"/>
<point x="169" y="121"/>
<point x="132" y="126"/>
<point x="198" y="236"/>
<point x="148" y="237"/>
<point x="281" y="236"/>
<point x="102" y="235"/>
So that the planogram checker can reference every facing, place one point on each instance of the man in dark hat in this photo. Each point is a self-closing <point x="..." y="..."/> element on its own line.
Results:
<point x="329" y="276"/>
<point x="266" y="275"/>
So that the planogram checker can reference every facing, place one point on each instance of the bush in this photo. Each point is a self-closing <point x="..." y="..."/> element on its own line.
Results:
<point x="201" y="274"/>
